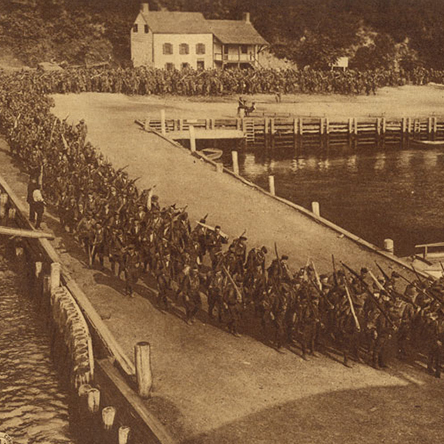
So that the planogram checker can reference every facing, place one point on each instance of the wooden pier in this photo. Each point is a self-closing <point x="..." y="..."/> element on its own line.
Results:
<point x="259" y="128"/>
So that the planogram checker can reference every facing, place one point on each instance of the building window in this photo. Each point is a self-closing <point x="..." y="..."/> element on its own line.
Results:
<point x="169" y="66"/>
<point x="135" y="27"/>
<point x="185" y="65"/>
<point x="167" y="48"/>
<point x="147" y="30"/>
<point x="200" y="64"/>
<point x="200" y="48"/>
<point x="184" y="48"/>
<point x="244" y="49"/>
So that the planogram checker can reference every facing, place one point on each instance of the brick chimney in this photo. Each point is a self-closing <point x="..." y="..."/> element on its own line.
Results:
<point x="246" y="17"/>
<point x="144" y="8"/>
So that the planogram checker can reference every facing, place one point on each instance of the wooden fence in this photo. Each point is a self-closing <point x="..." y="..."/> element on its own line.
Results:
<point x="259" y="128"/>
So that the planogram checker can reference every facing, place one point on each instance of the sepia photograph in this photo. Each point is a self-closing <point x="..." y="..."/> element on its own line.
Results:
<point x="221" y="221"/>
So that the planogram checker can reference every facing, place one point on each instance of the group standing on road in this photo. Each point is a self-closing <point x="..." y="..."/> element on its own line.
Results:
<point x="128" y="230"/>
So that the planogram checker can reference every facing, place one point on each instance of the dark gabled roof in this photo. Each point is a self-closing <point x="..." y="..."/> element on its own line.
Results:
<point x="166" y="22"/>
<point x="236" y="32"/>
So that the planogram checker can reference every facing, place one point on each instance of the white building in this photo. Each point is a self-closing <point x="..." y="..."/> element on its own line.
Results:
<point x="164" y="39"/>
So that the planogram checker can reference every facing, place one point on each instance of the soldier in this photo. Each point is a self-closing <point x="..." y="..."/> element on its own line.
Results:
<point x="435" y="336"/>
<point x="215" y="293"/>
<point x="32" y="185"/>
<point x="191" y="294"/>
<point x="164" y="275"/>
<point x="38" y="205"/>
<point x="132" y="266"/>
<point x="98" y="245"/>
<point x="85" y="232"/>
<point x="214" y="241"/>
<point x="233" y="302"/>
<point x="238" y="249"/>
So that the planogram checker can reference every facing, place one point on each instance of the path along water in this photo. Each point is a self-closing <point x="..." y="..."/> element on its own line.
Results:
<point x="33" y="406"/>
<point x="374" y="192"/>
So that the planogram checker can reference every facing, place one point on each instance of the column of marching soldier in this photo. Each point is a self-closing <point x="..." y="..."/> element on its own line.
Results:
<point x="351" y="311"/>
<point x="189" y="82"/>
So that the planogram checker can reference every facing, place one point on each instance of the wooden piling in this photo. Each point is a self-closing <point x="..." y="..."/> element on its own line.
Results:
<point x="295" y="126"/>
<point x="435" y="125"/>
<point x="327" y="125"/>
<point x="55" y="277"/>
<point x="315" y="208"/>
<point x="144" y="376"/>
<point x="350" y="125"/>
<point x="384" y="125"/>
<point x="389" y="246"/>
<point x="378" y="126"/>
<point x="301" y="126"/>
<point x="123" y="434"/>
<point x="192" y="138"/>
<point x="108" y="417"/>
<point x="219" y="167"/>
<point x="403" y="126"/>
<point x="355" y="126"/>
<point x="234" y="157"/>
<point x="429" y="125"/>
<point x="272" y="127"/>
<point x="162" y="122"/>
<point x="271" y="185"/>
<point x="93" y="400"/>
<point x="180" y="124"/>
<point x="146" y="125"/>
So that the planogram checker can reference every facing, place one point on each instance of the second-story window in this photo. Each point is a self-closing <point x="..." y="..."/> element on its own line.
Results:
<point x="200" y="48"/>
<point x="167" y="48"/>
<point x="147" y="30"/>
<point x="135" y="27"/>
<point x="184" y="48"/>
<point x="244" y="49"/>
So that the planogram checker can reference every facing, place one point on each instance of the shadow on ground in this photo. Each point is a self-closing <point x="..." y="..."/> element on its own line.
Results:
<point x="411" y="413"/>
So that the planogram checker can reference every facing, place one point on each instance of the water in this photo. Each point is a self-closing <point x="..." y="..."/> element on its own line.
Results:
<point x="33" y="406"/>
<point x="376" y="192"/>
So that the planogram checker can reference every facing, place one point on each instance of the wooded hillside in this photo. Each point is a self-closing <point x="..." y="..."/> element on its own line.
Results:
<point x="373" y="33"/>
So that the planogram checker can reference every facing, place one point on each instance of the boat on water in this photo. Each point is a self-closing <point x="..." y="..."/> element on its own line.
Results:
<point x="212" y="153"/>
<point x="428" y="143"/>
<point x="429" y="259"/>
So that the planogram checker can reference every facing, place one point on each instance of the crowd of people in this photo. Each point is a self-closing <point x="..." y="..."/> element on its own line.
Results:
<point x="188" y="82"/>
<point x="130" y="232"/>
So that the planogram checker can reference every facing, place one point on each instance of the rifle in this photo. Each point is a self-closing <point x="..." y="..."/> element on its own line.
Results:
<point x="331" y="305"/>
<point x="375" y="300"/>
<point x="393" y="294"/>
<point x="386" y="277"/>
<point x="335" y="276"/>
<point x="240" y="298"/>
<point x="278" y="260"/>
<point x="352" y="307"/>
<point x="422" y="290"/>
<point x="318" y="280"/>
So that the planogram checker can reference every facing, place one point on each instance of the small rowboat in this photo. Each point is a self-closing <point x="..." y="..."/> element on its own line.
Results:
<point x="212" y="153"/>
<point x="429" y="143"/>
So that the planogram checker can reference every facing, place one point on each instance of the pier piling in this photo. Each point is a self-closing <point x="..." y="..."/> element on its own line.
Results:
<point x="162" y="122"/>
<point x="315" y="208"/>
<point x="55" y="277"/>
<point x="123" y="434"/>
<point x="389" y="246"/>
<point x="144" y="376"/>
<point x="271" y="185"/>
<point x="234" y="156"/>
<point x="192" y="138"/>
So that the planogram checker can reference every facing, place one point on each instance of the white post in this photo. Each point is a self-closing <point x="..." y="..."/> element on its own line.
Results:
<point x="271" y="185"/>
<point x="108" y="416"/>
<point x="143" y="368"/>
<point x="162" y="121"/>
<point x="389" y="246"/>
<point x="55" y="276"/>
<point x="93" y="400"/>
<point x="235" y="162"/>
<point x="219" y="167"/>
<point x="192" y="139"/>
<point x="124" y="432"/>
<point x="315" y="208"/>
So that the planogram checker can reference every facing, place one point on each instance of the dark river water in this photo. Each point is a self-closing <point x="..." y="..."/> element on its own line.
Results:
<point x="33" y="406"/>
<point x="376" y="192"/>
